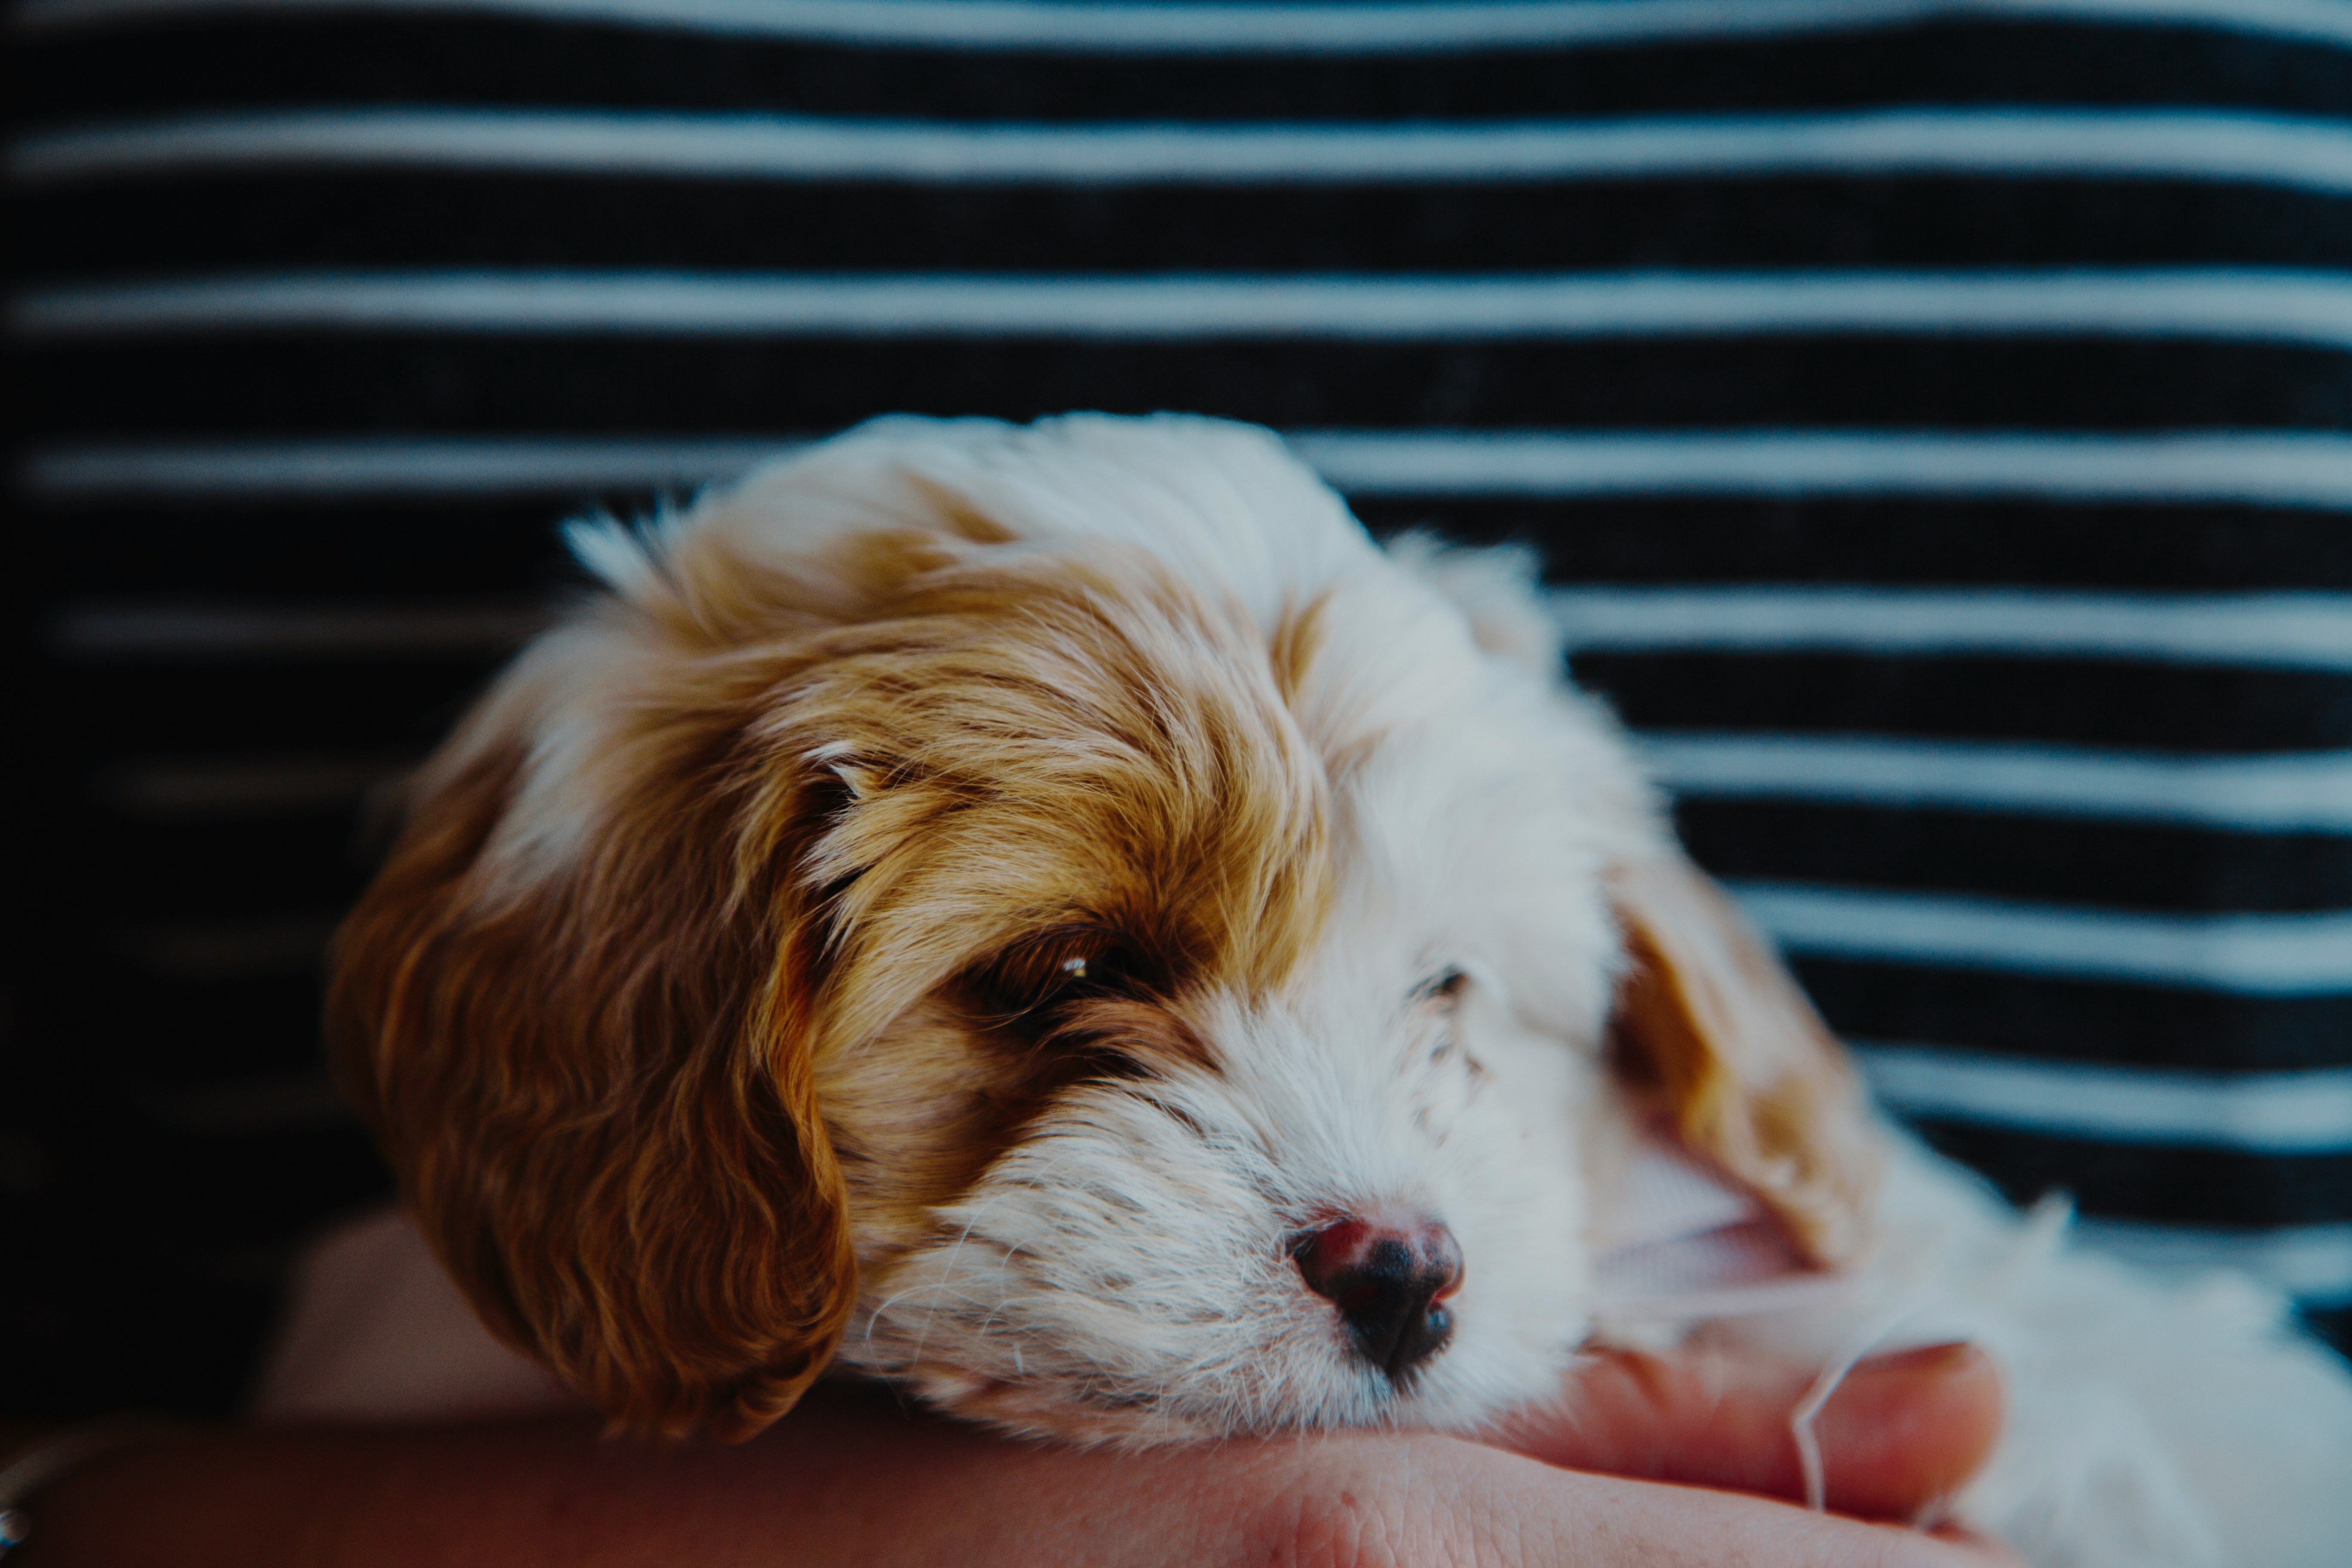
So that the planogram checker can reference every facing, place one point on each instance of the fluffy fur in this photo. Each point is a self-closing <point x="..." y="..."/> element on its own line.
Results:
<point x="964" y="899"/>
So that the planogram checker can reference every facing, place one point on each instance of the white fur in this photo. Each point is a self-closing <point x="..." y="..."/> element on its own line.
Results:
<point x="1121" y="1273"/>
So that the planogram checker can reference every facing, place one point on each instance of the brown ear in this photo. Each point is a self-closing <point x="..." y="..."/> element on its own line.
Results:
<point x="1717" y="1034"/>
<point x="593" y="1084"/>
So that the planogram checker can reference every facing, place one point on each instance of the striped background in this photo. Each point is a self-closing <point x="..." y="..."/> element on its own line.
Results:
<point x="1938" y="417"/>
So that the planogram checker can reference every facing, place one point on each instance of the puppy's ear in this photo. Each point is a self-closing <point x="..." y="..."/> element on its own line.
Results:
<point x="1714" y="1032"/>
<point x="1495" y="586"/>
<point x="595" y="1083"/>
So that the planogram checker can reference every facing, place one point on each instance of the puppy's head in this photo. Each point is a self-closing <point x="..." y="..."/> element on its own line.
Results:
<point x="1055" y="917"/>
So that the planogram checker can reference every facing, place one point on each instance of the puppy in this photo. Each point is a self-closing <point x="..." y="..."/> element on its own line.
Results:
<point x="1060" y="920"/>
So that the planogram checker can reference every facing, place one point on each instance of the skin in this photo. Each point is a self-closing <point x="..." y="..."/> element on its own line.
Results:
<point x="851" y="1477"/>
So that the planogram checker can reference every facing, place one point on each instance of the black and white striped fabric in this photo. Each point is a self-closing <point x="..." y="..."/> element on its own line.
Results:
<point x="1939" y="418"/>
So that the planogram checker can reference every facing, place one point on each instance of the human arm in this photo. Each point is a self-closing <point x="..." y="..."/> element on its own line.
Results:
<point x="852" y="1478"/>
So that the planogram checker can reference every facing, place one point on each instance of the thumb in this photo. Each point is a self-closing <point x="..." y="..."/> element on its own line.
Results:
<point x="1901" y="1432"/>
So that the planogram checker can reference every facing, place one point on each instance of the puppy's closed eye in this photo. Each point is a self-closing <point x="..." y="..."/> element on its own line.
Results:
<point x="1034" y="978"/>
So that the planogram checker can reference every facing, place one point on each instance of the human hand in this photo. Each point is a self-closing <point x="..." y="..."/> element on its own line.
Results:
<point x="1900" y="1434"/>
<point x="851" y="1477"/>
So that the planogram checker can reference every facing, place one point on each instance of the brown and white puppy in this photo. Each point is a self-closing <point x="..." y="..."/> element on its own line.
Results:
<point x="1059" y="919"/>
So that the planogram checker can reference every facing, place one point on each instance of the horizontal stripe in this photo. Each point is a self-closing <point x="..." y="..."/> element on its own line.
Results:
<point x="2178" y="1184"/>
<point x="284" y="384"/>
<point x="2312" y="1263"/>
<point x="203" y="790"/>
<point x="1999" y="541"/>
<point x="2305" y="631"/>
<point x="2261" y="468"/>
<point x="185" y="224"/>
<point x="2300" y="152"/>
<point x="294" y="549"/>
<point x="479" y="57"/>
<point x="2302" y="954"/>
<point x="2286" y="792"/>
<point x="394" y="467"/>
<point x="261" y="545"/>
<point x="161" y="547"/>
<point x="101" y="632"/>
<point x="2236" y="304"/>
<point x="2098" y="703"/>
<point x="2277" y="1113"/>
<point x="1341" y="29"/>
<point x="2159" y="868"/>
<point x="2066" y="1019"/>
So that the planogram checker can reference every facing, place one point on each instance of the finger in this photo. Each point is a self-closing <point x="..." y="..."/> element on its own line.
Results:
<point x="1900" y="1432"/>
<point x="1515" y="1512"/>
<point x="1673" y="1524"/>
<point x="1910" y="1431"/>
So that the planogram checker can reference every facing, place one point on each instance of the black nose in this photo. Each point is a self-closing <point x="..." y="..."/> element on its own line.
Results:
<point x="1389" y="1275"/>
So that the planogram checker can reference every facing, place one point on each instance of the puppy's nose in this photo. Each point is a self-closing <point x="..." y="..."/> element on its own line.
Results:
<point x="1388" y="1274"/>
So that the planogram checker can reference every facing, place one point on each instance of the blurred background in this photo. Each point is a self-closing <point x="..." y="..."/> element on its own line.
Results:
<point x="1935" y="419"/>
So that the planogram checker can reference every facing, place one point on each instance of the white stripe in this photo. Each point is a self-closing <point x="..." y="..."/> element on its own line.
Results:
<point x="2269" y="1113"/>
<point x="2229" y="303"/>
<point x="2313" y="1262"/>
<point x="2269" y="149"/>
<point x="390" y="467"/>
<point x="2267" y="954"/>
<point x="2307" y="791"/>
<point x="2290" y="630"/>
<point x="2263" y="469"/>
<point x="206" y="631"/>
<point x="1276" y="29"/>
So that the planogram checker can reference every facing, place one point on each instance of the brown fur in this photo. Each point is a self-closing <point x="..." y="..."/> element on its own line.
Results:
<point x="1713" y="1030"/>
